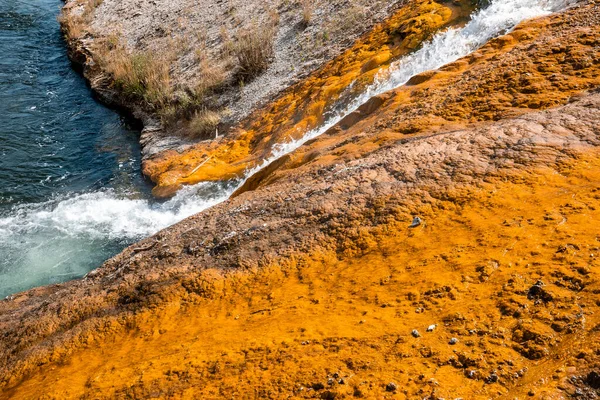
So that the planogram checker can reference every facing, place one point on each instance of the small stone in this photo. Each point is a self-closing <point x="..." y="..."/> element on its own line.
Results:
<point x="531" y="393"/>
<point x="431" y="328"/>
<point x="537" y="292"/>
<point x="330" y="381"/>
<point x="415" y="333"/>
<point x="342" y="381"/>
<point x="493" y="378"/>
<point x="391" y="387"/>
<point x="416" y="222"/>
<point x="453" y="341"/>
<point x="593" y="380"/>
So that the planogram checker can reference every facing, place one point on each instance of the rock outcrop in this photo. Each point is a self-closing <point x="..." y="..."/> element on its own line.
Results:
<point x="528" y="69"/>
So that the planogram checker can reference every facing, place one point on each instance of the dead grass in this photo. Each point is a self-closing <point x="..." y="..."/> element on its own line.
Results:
<point x="308" y="7"/>
<point x="141" y="76"/>
<point x="204" y="124"/>
<point x="212" y="73"/>
<point x="145" y="78"/>
<point x="253" y="49"/>
<point x="76" y="20"/>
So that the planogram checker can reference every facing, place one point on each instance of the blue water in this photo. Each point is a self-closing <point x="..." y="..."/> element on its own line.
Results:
<point x="54" y="137"/>
<point x="71" y="192"/>
<point x="56" y="143"/>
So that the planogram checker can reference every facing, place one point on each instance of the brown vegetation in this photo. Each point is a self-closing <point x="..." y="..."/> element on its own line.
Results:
<point x="75" y="23"/>
<point x="253" y="49"/>
<point x="308" y="7"/>
<point x="142" y="77"/>
<point x="204" y="124"/>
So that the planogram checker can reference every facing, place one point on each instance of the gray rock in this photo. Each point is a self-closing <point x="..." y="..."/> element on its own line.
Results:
<point x="416" y="222"/>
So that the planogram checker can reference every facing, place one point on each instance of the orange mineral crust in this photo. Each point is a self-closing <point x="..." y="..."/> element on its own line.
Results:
<point x="541" y="64"/>
<point x="510" y="276"/>
<point x="317" y="287"/>
<point x="302" y="106"/>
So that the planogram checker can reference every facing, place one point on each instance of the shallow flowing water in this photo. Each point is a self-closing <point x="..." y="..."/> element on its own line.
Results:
<point x="71" y="194"/>
<point x="500" y="17"/>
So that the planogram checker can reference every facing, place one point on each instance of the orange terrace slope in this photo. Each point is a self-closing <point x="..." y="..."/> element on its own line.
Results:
<point x="310" y="283"/>
<point x="226" y="304"/>
<point x="318" y="324"/>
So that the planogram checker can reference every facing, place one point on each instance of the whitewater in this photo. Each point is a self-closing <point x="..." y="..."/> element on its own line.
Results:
<point x="52" y="241"/>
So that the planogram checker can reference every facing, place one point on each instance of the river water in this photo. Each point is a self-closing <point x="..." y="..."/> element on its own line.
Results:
<point x="71" y="194"/>
<point x="55" y="140"/>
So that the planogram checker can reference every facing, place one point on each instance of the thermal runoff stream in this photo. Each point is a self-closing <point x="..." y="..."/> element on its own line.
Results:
<point x="71" y="194"/>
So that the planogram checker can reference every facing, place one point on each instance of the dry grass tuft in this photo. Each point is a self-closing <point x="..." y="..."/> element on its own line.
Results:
<point x="308" y="7"/>
<point x="253" y="49"/>
<point x="204" y="124"/>
<point x="145" y="78"/>
<point x="212" y="73"/>
<point x="140" y="76"/>
<point x="75" y="21"/>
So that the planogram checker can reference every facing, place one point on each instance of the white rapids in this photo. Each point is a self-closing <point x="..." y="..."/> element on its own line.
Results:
<point x="56" y="240"/>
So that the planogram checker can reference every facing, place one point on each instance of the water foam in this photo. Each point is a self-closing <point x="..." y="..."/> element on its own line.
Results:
<point x="56" y="240"/>
<point x="106" y="214"/>
<point x="67" y="237"/>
